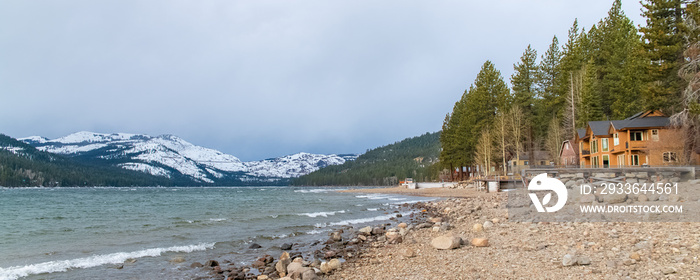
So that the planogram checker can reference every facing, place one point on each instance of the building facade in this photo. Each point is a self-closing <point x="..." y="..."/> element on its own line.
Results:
<point x="644" y="139"/>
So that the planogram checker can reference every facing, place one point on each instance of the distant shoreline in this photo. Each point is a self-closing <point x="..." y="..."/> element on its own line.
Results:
<point x="432" y="192"/>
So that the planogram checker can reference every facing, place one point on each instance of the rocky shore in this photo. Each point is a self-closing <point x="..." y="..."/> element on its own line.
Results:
<point x="470" y="237"/>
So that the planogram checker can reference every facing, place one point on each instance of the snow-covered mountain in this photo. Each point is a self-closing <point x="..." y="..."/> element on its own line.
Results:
<point x="171" y="156"/>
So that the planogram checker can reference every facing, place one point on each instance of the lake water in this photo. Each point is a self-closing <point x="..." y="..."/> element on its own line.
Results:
<point x="82" y="233"/>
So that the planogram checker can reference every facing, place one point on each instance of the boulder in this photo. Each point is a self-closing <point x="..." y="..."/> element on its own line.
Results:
<point x="334" y="264"/>
<point x="325" y="268"/>
<point x="286" y="246"/>
<point x="377" y="231"/>
<point x="366" y="230"/>
<point x="480" y="242"/>
<point x="254" y="246"/>
<point x="407" y="252"/>
<point x="402" y="225"/>
<point x="294" y="266"/>
<point x="568" y="260"/>
<point x="614" y="198"/>
<point x="211" y="263"/>
<point x="309" y="274"/>
<point x="336" y="236"/>
<point x="446" y="242"/>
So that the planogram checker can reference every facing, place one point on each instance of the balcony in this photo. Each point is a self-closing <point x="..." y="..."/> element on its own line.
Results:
<point x="585" y="152"/>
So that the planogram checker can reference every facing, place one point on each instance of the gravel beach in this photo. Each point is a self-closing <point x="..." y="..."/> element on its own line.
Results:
<point x="494" y="248"/>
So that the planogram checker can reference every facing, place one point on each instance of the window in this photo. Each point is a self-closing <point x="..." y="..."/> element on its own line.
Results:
<point x="655" y="134"/>
<point x="604" y="144"/>
<point x="526" y="162"/>
<point x="594" y="146"/>
<point x="636" y="136"/>
<point x="670" y="157"/>
<point x="606" y="161"/>
<point x="595" y="162"/>
<point x="616" y="139"/>
<point x="621" y="160"/>
<point x="566" y="161"/>
<point x="634" y="160"/>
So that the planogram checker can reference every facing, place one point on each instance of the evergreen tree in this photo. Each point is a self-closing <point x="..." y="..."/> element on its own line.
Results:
<point x="663" y="49"/>
<point x="549" y="102"/>
<point x="523" y="80"/>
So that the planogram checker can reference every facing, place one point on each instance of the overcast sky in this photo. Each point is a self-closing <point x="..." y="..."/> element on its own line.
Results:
<point x="260" y="79"/>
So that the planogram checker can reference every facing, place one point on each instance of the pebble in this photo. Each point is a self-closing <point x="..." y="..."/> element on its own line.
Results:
<point x="568" y="260"/>
<point x="480" y="242"/>
<point x="478" y="228"/>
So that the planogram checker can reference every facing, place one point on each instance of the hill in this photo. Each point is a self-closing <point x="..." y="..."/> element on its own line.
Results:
<point x="22" y="165"/>
<point x="412" y="157"/>
<point x="184" y="163"/>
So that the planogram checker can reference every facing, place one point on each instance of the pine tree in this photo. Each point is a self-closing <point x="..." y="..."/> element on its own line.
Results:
<point x="523" y="80"/>
<point x="549" y="102"/>
<point x="663" y="46"/>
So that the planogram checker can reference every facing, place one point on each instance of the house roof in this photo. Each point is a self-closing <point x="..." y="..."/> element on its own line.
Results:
<point x="573" y="147"/>
<point x="599" y="127"/>
<point x="581" y="132"/>
<point x="641" y="122"/>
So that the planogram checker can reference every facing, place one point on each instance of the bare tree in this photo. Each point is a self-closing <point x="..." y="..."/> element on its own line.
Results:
<point x="484" y="150"/>
<point x="517" y="123"/>
<point x="573" y="99"/>
<point x="689" y="118"/>
<point x="555" y="137"/>
<point x="502" y="137"/>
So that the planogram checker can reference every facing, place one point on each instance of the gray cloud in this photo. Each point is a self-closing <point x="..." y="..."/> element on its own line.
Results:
<point x="260" y="79"/>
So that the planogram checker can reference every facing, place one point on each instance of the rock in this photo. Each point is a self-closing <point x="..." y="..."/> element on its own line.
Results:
<point x="366" y="230"/>
<point x="568" y="260"/>
<point x="435" y="220"/>
<point x="668" y="270"/>
<point x="614" y="198"/>
<point x="377" y="231"/>
<point x="294" y="266"/>
<point x="407" y="252"/>
<point x="211" y="263"/>
<point x="258" y="264"/>
<point x="286" y="246"/>
<point x="336" y="236"/>
<point x="674" y="198"/>
<point x="496" y="220"/>
<point x="309" y="274"/>
<point x="394" y="237"/>
<point x="436" y="229"/>
<point x="445" y="226"/>
<point x="286" y="278"/>
<point x="642" y="198"/>
<point x="254" y="246"/>
<point x="587" y="198"/>
<point x="487" y="225"/>
<point x="329" y="254"/>
<point x="362" y="237"/>
<point x="402" y="225"/>
<point x="477" y="228"/>
<point x="281" y="266"/>
<point x="583" y="260"/>
<point x="424" y="225"/>
<point x="325" y="268"/>
<point x="334" y="264"/>
<point x="196" y="265"/>
<point x="446" y="242"/>
<point x="480" y="242"/>
<point x="263" y="277"/>
<point x="635" y="256"/>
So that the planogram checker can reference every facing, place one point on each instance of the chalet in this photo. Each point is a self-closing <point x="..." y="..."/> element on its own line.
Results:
<point x="541" y="158"/>
<point x="644" y="139"/>
<point x="568" y="155"/>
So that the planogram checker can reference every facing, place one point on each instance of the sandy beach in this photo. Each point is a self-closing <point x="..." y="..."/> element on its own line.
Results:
<point x="516" y="250"/>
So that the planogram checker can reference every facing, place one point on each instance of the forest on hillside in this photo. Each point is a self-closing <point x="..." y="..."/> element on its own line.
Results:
<point x="611" y="70"/>
<point x="29" y="167"/>
<point x="410" y="158"/>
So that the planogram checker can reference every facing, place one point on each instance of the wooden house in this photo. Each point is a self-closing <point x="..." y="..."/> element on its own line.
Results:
<point x="642" y="139"/>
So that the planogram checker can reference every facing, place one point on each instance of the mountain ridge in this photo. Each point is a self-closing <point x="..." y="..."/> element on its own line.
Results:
<point x="172" y="157"/>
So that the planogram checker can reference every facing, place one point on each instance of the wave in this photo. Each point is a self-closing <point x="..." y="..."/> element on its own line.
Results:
<point x="16" y="272"/>
<point x="321" y="214"/>
<point x="360" y="220"/>
<point x="372" y="209"/>
<point x="217" y="219"/>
